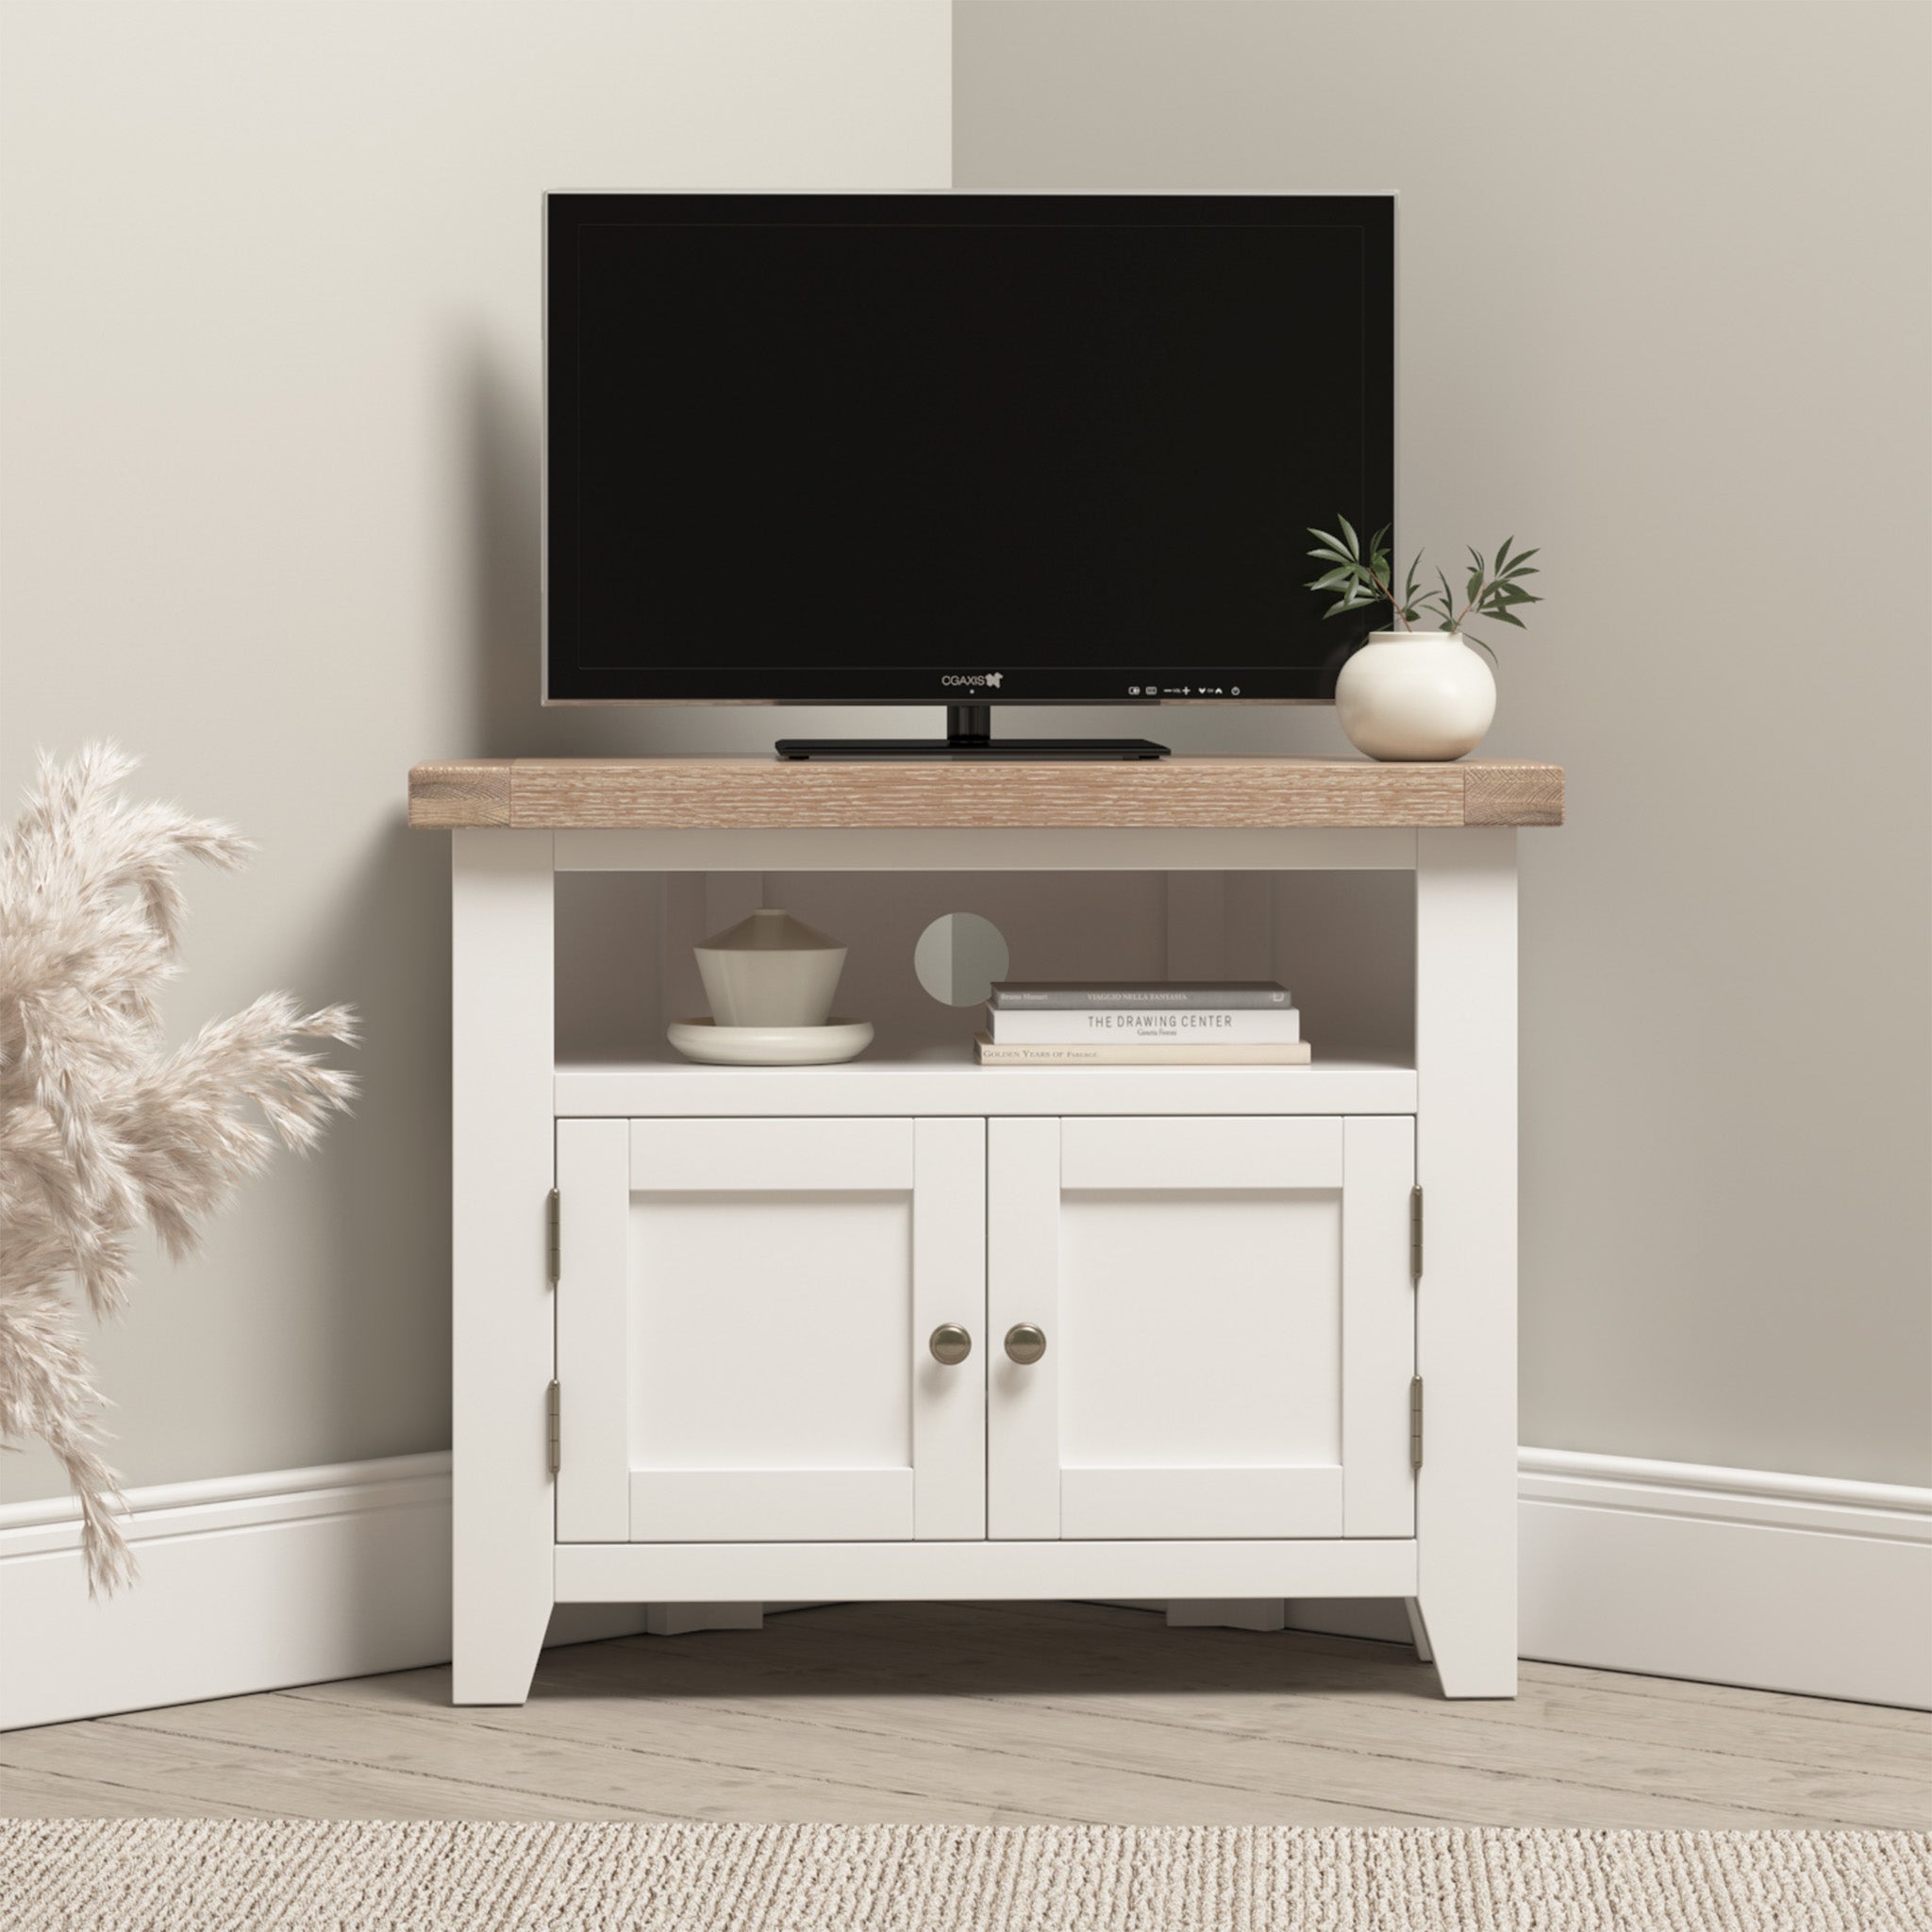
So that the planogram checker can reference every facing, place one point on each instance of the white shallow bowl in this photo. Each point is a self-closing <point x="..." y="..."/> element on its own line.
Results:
<point x="770" y="1046"/>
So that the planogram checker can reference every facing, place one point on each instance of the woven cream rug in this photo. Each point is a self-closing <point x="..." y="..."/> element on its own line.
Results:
<point x="196" y="1874"/>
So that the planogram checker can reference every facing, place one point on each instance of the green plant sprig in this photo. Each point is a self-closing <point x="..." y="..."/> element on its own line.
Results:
<point x="1493" y="590"/>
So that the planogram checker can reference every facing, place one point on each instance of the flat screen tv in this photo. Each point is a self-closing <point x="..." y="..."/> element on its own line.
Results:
<point x="954" y="449"/>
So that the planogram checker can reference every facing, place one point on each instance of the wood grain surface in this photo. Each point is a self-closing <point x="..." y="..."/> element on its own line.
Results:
<point x="752" y="793"/>
<point x="467" y="792"/>
<point x="1006" y="1714"/>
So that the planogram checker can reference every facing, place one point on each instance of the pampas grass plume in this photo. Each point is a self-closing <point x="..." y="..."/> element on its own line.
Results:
<point x="103" y="1129"/>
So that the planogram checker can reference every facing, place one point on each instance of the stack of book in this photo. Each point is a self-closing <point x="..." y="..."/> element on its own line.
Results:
<point x="1234" y="1022"/>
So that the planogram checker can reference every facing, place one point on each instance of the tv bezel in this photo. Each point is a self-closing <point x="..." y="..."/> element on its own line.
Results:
<point x="842" y="685"/>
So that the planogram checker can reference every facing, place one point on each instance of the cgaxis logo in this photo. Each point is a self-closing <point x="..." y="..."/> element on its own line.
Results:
<point x="989" y="679"/>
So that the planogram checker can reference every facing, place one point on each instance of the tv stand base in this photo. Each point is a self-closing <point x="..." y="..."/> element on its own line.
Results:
<point x="969" y="735"/>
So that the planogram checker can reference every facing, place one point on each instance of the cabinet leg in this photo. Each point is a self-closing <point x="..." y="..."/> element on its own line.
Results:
<point x="503" y="1163"/>
<point x="680" y="1620"/>
<point x="1473" y="1640"/>
<point x="1465" y="1505"/>
<point x="1227" y="1613"/>
<point x="496" y="1647"/>
<point x="1418" y="1629"/>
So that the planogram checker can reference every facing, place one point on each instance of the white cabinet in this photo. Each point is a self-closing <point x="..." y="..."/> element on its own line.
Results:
<point x="744" y="1318"/>
<point x="1178" y="1329"/>
<point x="737" y="1359"/>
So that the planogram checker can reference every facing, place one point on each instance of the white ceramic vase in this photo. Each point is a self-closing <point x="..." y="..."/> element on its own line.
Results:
<point x="770" y="970"/>
<point x="1416" y="694"/>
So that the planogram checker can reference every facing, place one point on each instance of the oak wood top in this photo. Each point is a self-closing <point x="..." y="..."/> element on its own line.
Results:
<point x="757" y="793"/>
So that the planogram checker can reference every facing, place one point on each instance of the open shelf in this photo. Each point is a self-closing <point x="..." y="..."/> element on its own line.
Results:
<point x="944" y="1078"/>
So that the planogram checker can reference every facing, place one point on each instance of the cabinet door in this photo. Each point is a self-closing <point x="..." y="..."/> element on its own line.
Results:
<point x="1228" y="1323"/>
<point x="745" y="1323"/>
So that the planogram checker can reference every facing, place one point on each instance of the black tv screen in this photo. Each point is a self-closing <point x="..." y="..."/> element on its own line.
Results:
<point x="921" y="448"/>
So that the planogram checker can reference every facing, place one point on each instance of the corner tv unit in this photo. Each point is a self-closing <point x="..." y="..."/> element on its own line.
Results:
<point x="959" y="449"/>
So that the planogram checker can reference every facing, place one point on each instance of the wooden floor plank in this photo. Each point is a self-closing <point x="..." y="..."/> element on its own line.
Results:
<point x="646" y="1753"/>
<point x="175" y="1776"/>
<point x="60" y="1794"/>
<point x="1233" y="1674"/>
<point x="1679" y="1690"/>
<point x="996" y="1714"/>
<point x="1683" y="1691"/>
<point x="1295" y="1745"/>
<point x="1793" y="1730"/>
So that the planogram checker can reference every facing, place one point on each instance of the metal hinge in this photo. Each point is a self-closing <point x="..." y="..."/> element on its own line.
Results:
<point x="555" y="1427"/>
<point x="556" y="1237"/>
<point x="1415" y="1234"/>
<point x="1415" y="1422"/>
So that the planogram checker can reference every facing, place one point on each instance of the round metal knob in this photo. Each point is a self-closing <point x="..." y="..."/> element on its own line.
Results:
<point x="950" y="1345"/>
<point x="1025" y="1343"/>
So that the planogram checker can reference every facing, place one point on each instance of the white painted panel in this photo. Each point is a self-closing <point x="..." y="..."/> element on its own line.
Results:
<point x="756" y="1506"/>
<point x="1202" y="1152"/>
<point x="1023" y="1286"/>
<point x="1107" y="1504"/>
<point x="771" y="1331"/>
<point x="690" y="1155"/>
<point x="949" y="1284"/>
<point x="1201" y="1330"/>
<point x="1466" y="1307"/>
<point x="592" y="1325"/>
<point x="1041" y="848"/>
<point x="1378" y="1328"/>
<point x="738" y="1572"/>
<point x="503" y="1153"/>
<point x="940" y="1077"/>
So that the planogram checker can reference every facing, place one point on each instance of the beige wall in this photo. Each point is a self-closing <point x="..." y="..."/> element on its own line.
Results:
<point x="269" y="392"/>
<point x="268" y="420"/>
<point x="1664" y="307"/>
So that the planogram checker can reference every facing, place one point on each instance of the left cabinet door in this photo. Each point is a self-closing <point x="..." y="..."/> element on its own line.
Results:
<point x="745" y="1320"/>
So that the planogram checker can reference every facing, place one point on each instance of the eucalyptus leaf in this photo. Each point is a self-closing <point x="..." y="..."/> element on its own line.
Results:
<point x="1366" y="575"/>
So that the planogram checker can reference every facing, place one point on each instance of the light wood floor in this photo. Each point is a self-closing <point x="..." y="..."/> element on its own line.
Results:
<point x="997" y="1714"/>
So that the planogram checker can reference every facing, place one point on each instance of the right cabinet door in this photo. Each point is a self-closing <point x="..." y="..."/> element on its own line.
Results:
<point x="1199" y="1327"/>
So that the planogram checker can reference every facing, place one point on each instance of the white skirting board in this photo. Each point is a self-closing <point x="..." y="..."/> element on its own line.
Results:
<point x="249" y="1583"/>
<point x="1794" y="1583"/>
<point x="1727" y="1576"/>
